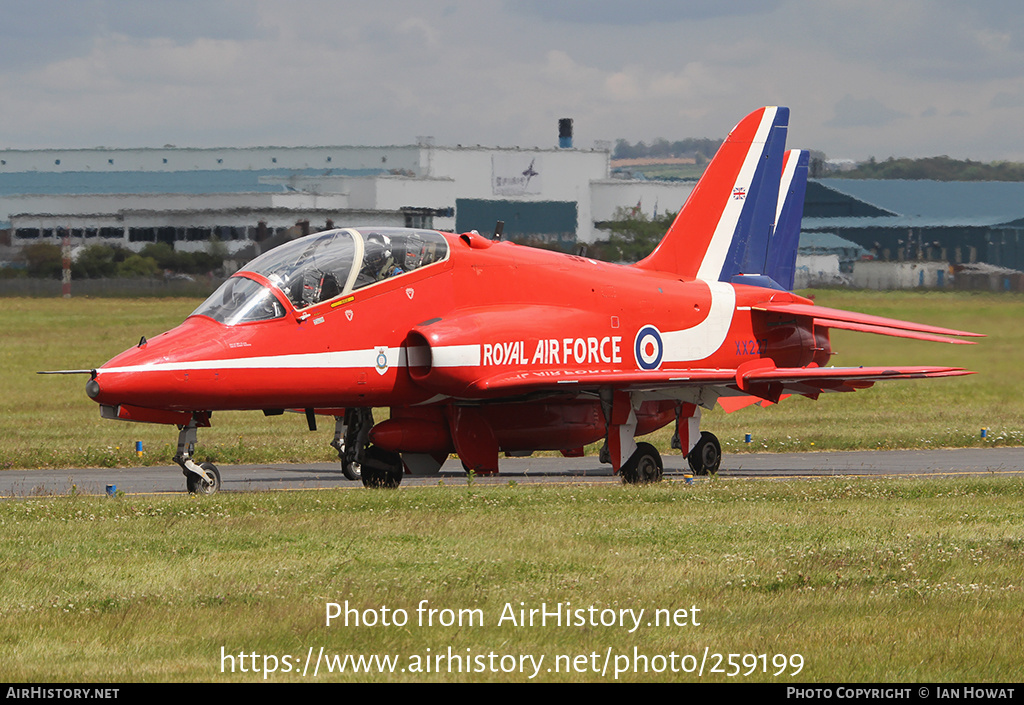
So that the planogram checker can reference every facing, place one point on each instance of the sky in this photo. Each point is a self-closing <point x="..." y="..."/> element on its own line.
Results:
<point x="862" y="79"/>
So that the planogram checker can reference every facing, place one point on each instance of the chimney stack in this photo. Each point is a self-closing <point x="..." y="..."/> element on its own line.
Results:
<point x="565" y="133"/>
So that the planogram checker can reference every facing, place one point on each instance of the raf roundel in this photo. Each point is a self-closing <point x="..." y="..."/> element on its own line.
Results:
<point x="648" y="348"/>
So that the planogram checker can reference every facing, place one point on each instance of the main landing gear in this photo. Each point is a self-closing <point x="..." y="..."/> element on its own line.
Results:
<point x="351" y="432"/>
<point x="375" y="466"/>
<point x="643" y="467"/>
<point x="706" y="456"/>
<point x="199" y="478"/>
<point x="382" y="468"/>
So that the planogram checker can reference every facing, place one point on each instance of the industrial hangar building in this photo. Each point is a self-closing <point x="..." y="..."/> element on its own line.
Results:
<point x="242" y="196"/>
<point x="252" y="198"/>
<point x="957" y="222"/>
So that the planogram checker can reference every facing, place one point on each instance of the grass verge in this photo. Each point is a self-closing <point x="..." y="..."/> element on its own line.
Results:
<point x="867" y="580"/>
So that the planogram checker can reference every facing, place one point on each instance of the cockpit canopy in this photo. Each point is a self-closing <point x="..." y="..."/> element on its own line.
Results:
<point x="322" y="266"/>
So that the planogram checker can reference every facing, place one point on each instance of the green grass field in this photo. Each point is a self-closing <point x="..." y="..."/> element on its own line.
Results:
<point x="832" y="580"/>
<point x="47" y="421"/>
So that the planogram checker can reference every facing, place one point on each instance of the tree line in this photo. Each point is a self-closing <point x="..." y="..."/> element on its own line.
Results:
<point x="701" y="149"/>
<point x="46" y="261"/>
<point x="935" y="169"/>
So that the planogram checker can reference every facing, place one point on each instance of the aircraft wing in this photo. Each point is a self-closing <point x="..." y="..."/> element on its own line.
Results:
<point x="759" y="379"/>
<point x="864" y="323"/>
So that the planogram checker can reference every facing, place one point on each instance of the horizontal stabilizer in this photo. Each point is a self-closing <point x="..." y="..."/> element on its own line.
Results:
<point x="894" y="332"/>
<point x="850" y="320"/>
<point x="762" y="381"/>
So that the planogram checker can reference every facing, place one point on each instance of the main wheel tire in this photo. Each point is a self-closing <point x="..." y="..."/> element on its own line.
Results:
<point x="706" y="456"/>
<point x="381" y="468"/>
<point x="351" y="471"/>
<point x="197" y="485"/>
<point x="478" y="473"/>
<point x="643" y="467"/>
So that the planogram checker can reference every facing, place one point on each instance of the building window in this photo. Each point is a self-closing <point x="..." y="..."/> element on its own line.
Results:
<point x="419" y="220"/>
<point x="142" y="234"/>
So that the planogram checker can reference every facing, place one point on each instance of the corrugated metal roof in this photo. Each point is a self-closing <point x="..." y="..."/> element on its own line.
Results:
<point x="937" y="203"/>
<point x="908" y="222"/>
<point x="826" y="241"/>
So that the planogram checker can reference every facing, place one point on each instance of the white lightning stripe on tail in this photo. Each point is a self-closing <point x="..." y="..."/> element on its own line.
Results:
<point x="718" y="249"/>
<point x="788" y="172"/>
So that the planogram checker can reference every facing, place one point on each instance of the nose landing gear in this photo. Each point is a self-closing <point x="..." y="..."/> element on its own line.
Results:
<point x="199" y="478"/>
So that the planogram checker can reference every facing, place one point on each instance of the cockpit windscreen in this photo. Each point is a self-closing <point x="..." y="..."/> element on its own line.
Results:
<point x="323" y="266"/>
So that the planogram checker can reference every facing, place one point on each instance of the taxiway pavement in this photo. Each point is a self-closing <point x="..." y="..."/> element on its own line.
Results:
<point x="242" y="478"/>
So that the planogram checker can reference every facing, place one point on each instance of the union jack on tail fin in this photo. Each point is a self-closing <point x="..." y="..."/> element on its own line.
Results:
<point x="726" y="224"/>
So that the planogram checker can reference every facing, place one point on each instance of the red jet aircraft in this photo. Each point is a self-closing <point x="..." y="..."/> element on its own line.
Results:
<point x="482" y="347"/>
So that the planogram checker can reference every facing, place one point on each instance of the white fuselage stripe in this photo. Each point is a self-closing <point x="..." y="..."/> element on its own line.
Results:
<point x="444" y="356"/>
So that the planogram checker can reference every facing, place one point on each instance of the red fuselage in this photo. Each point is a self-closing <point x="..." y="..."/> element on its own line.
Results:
<point x="488" y="309"/>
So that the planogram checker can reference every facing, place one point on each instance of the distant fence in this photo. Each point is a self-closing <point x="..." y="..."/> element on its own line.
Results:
<point x="201" y="287"/>
<point x="990" y="281"/>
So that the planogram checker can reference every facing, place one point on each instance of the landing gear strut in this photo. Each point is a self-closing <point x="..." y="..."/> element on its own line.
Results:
<point x="199" y="479"/>
<point x="351" y="434"/>
<point x="706" y="456"/>
<point x="375" y="466"/>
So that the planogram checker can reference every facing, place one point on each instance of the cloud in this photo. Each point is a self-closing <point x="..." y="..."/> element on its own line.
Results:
<point x="859" y="78"/>
<point x="863" y="112"/>
<point x="639" y="12"/>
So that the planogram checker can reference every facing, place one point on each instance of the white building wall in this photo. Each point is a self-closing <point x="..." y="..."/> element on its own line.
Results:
<point x="871" y="274"/>
<point x="422" y="176"/>
<point x="614" y="193"/>
<point x="79" y="204"/>
<point x="562" y="175"/>
<point x="403" y="158"/>
<point x="393" y="193"/>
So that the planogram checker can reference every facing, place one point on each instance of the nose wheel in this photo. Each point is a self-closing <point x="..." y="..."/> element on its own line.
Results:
<point x="200" y="485"/>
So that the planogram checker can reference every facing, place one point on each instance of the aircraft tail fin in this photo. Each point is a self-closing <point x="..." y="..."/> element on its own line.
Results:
<point x="780" y="264"/>
<point x="726" y="224"/>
